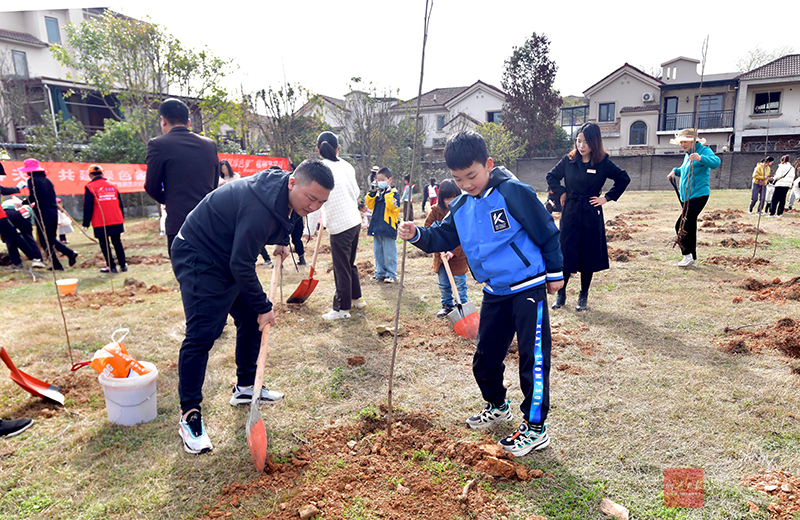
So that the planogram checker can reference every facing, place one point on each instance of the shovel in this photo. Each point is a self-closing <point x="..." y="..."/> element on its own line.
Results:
<point x="31" y="384"/>
<point x="307" y="286"/>
<point x="256" y="431"/>
<point x="465" y="316"/>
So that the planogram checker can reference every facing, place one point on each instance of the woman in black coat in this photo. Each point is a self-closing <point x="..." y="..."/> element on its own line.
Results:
<point x="583" y="234"/>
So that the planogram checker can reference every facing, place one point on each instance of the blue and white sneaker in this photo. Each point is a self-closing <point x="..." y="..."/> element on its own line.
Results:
<point x="528" y="437"/>
<point x="490" y="415"/>
<point x="193" y="434"/>
<point x="242" y="395"/>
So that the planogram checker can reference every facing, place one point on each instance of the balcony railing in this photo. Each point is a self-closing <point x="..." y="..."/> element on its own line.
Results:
<point x="713" y="119"/>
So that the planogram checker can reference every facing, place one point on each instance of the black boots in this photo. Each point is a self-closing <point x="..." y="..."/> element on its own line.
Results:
<point x="561" y="299"/>
<point x="301" y="260"/>
<point x="582" y="297"/>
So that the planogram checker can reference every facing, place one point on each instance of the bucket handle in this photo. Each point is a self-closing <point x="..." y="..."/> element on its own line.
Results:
<point x="125" y="335"/>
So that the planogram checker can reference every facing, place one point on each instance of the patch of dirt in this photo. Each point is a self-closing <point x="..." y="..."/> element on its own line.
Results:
<point x="422" y="471"/>
<point x="414" y="252"/>
<point x="783" y="336"/>
<point x="437" y="336"/>
<point x="569" y="369"/>
<point x="79" y="386"/>
<point x="730" y="228"/>
<point x="365" y="269"/>
<point x="131" y="292"/>
<point x="563" y="337"/>
<point x="612" y="235"/>
<point x="98" y="261"/>
<point x="723" y="214"/>
<point x="736" y="261"/>
<point x="778" y="485"/>
<point x="324" y="249"/>
<point x="621" y="255"/>
<point x="745" y="242"/>
<point x="773" y="291"/>
<point x="151" y="224"/>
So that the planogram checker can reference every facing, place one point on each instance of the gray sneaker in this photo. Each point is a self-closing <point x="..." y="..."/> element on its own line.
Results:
<point x="526" y="439"/>
<point x="490" y="415"/>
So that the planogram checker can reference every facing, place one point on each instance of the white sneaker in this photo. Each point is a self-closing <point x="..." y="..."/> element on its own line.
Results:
<point x="335" y="315"/>
<point x="243" y="395"/>
<point x="38" y="264"/>
<point x="389" y="280"/>
<point x="193" y="433"/>
<point x="359" y="303"/>
<point x="686" y="261"/>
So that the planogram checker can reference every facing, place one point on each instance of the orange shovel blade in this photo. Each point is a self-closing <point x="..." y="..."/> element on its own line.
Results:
<point x="257" y="442"/>
<point x="304" y="290"/>
<point x="29" y="383"/>
<point x="467" y="326"/>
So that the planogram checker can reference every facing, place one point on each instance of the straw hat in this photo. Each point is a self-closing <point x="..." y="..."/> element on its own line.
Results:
<point x="687" y="134"/>
<point x="31" y="165"/>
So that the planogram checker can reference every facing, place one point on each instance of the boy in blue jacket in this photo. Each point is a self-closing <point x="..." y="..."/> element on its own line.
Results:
<point x="382" y="200"/>
<point x="511" y="244"/>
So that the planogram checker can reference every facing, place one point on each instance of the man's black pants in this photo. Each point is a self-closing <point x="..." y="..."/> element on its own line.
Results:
<point x="209" y="294"/>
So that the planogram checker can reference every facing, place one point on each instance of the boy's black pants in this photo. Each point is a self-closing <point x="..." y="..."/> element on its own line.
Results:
<point x="524" y="313"/>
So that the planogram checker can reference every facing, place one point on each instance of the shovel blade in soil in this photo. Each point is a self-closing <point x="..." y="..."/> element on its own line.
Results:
<point x="257" y="437"/>
<point x="304" y="290"/>
<point x="30" y="383"/>
<point x="465" y="319"/>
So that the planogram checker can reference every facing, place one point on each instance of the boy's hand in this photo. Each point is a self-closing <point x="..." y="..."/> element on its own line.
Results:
<point x="407" y="230"/>
<point x="553" y="287"/>
<point x="282" y="252"/>
<point x="265" y="319"/>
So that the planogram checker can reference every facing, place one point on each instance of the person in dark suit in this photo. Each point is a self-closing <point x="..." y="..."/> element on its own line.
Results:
<point x="182" y="167"/>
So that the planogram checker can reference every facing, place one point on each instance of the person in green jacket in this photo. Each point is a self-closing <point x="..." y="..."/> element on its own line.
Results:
<point x="694" y="175"/>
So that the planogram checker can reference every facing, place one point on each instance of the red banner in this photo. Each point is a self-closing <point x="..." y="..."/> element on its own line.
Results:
<point x="71" y="178"/>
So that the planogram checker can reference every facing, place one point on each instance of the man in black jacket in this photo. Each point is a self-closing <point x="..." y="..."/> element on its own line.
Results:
<point x="182" y="167"/>
<point x="214" y="257"/>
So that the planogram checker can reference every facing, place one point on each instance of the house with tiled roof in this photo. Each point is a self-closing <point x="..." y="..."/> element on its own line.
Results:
<point x="445" y="111"/>
<point x="768" y="107"/>
<point x="639" y="113"/>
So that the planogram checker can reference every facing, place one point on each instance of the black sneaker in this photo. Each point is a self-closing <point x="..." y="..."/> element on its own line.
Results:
<point x="301" y="260"/>
<point x="73" y="259"/>
<point x="445" y="310"/>
<point x="123" y="268"/>
<point x="15" y="427"/>
<point x="490" y="415"/>
<point x="527" y="438"/>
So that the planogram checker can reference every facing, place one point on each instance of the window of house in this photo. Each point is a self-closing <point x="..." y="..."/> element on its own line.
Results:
<point x="638" y="133"/>
<point x="494" y="117"/>
<point x="767" y="103"/>
<point x="439" y="122"/>
<point x="606" y="113"/>
<point x="53" y="35"/>
<point x="20" y="64"/>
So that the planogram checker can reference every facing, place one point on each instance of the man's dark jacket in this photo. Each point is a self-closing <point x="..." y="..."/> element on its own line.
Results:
<point x="182" y="167"/>
<point x="232" y="224"/>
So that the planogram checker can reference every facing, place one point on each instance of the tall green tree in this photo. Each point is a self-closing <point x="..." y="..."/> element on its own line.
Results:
<point x="139" y="64"/>
<point x="116" y="143"/>
<point x="504" y="147"/>
<point x="532" y="103"/>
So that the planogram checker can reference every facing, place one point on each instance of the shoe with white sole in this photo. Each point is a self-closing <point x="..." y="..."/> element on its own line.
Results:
<point x="12" y="427"/>
<point x="490" y="415"/>
<point x="335" y="315"/>
<point x="686" y="261"/>
<point x="527" y="438"/>
<point x="37" y="263"/>
<point x="193" y="434"/>
<point x="243" y="395"/>
<point x="359" y="303"/>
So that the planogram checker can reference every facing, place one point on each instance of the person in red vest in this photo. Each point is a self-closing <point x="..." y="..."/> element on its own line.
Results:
<point x="102" y="208"/>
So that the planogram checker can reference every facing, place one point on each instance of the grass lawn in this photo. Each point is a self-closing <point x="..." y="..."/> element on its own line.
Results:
<point x="640" y="383"/>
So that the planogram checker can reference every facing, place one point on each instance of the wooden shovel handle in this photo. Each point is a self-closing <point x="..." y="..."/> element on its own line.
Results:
<point x="262" y="351"/>
<point x="316" y="252"/>
<point x="453" y="287"/>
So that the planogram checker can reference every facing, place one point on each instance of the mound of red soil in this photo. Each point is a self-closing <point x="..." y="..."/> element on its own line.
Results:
<point x="774" y="291"/>
<point x="365" y="269"/>
<point x="146" y="225"/>
<point x="422" y="471"/>
<point x="98" y="261"/>
<point x="621" y="229"/>
<point x="723" y="214"/>
<point x="736" y="261"/>
<point x="131" y="292"/>
<point x="620" y="255"/>
<point x="612" y="235"/>
<point x="745" y="242"/>
<point x="730" y="227"/>
<point x="783" y="336"/>
<point x="780" y="485"/>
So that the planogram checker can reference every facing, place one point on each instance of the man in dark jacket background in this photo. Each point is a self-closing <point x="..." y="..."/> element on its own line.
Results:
<point x="214" y="257"/>
<point x="182" y="167"/>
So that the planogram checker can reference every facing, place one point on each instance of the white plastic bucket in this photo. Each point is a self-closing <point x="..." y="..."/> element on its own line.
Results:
<point x="131" y="400"/>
